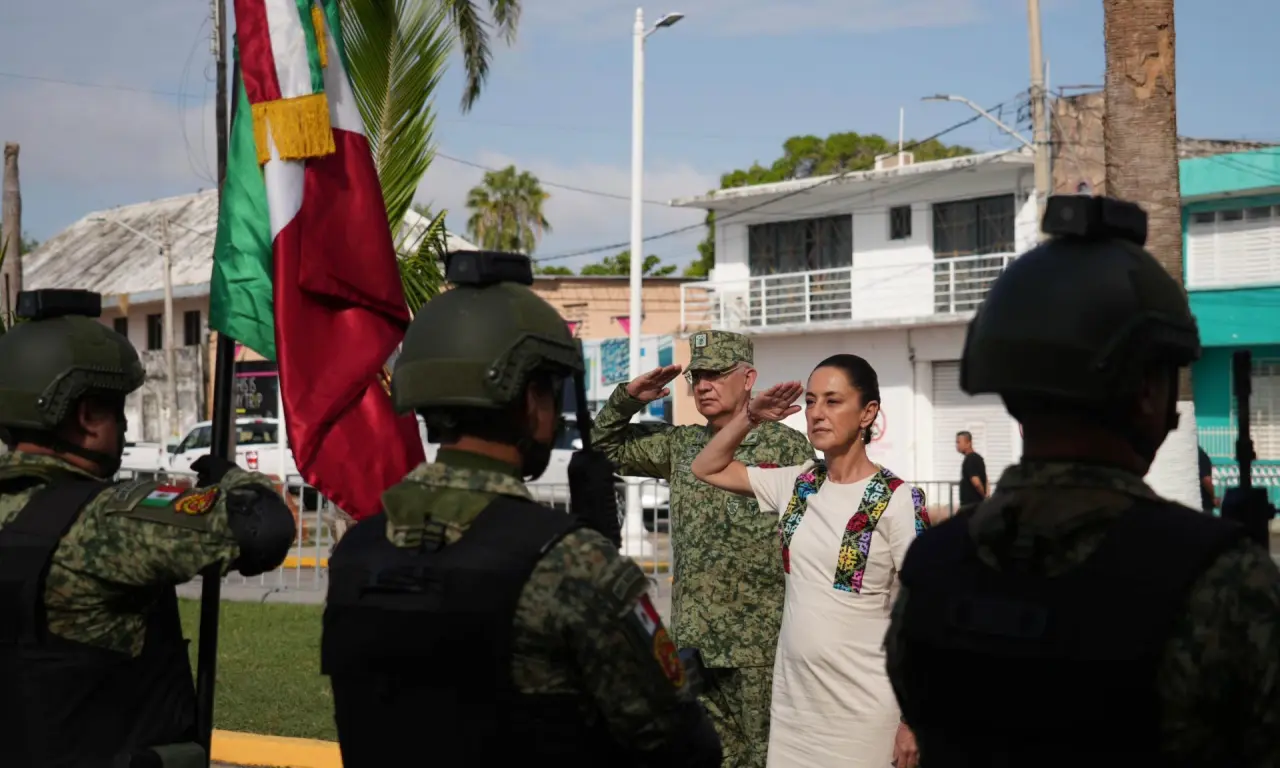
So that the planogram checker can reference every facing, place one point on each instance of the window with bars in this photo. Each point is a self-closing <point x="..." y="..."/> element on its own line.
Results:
<point x="900" y="222"/>
<point x="780" y="253"/>
<point x="1264" y="409"/>
<point x="155" y="332"/>
<point x="972" y="240"/>
<point x="192" y="328"/>
<point x="1237" y="246"/>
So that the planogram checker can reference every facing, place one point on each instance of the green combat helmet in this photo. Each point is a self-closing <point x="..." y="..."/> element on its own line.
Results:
<point x="60" y="354"/>
<point x="1081" y="317"/>
<point x="475" y="346"/>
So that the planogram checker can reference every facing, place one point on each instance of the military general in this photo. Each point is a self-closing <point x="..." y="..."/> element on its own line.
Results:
<point x="94" y="671"/>
<point x="469" y="625"/>
<point x="728" y="582"/>
<point x="1075" y="617"/>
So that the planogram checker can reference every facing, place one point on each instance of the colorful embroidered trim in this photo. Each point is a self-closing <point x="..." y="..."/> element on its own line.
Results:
<point x="807" y="484"/>
<point x="855" y="546"/>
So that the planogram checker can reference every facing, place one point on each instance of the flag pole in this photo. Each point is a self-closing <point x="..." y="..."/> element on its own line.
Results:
<point x="223" y="408"/>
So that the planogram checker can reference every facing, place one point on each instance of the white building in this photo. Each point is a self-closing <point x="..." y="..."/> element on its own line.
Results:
<point x="888" y="264"/>
<point x="115" y="253"/>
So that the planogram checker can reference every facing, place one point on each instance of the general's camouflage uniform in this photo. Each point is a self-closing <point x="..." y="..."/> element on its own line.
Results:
<point x="571" y="623"/>
<point x="728" y="584"/>
<point x="1220" y="672"/>
<point x="118" y="549"/>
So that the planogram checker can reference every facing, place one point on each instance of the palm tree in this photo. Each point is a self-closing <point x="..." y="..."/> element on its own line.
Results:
<point x="1140" y="130"/>
<point x="506" y="211"/>
<point x="397" y="51"/>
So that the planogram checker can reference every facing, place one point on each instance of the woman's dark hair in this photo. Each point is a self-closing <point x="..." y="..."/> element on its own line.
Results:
<point x="861" y="376"/>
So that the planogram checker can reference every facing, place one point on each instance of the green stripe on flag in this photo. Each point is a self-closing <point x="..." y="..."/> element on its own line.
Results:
<point x="313" y="49"/>
<point x="333" y="17"/>
<point x="240" y="291"/>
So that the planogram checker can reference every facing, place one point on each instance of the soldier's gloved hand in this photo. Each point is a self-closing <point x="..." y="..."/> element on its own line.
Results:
<point x="591" y="494"/>
<point x="211" y="469"/>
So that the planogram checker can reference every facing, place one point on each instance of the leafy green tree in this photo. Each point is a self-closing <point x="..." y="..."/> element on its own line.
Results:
<point x="397" y="51"/>
<point x="621" y="265"/>
<point x="506" y="211"/>
<point x="551" y="269"/>
<point x="808" y="156"/>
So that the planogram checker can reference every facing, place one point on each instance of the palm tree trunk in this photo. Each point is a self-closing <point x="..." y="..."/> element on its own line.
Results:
<point x="1140" y="134"/>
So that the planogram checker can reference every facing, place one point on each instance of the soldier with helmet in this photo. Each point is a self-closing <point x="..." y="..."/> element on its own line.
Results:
<point x="94" y="671"/>
<point x="467" y="624"/>
<point x="1075" y="617"/>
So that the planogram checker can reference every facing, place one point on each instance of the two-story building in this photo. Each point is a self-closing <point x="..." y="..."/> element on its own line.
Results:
<point x="1231" y="236"/>
<point x="889" y="264"/>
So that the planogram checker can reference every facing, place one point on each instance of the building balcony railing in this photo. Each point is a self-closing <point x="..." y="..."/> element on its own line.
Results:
<point x="874" y="292"/>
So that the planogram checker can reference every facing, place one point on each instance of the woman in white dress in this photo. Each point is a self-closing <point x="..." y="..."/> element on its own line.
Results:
<point x="845" y="524"/>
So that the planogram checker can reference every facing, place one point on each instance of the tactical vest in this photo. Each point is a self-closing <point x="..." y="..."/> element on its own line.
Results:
<point x="70" y="704"/>
<point x="418" y="647"/>
<point x="1011" y="669"/>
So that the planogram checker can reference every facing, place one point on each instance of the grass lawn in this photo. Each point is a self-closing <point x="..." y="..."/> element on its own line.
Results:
<point x="269" y="678"/>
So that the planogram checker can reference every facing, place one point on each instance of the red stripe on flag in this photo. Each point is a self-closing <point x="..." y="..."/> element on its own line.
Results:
<point x="340" y="312"/>
<point x="257" y="63"/>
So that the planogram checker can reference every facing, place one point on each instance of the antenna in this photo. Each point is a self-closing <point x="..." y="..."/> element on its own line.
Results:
<point x="902" y="124"/>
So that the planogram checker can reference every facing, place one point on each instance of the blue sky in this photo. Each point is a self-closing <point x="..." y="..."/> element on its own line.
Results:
<point x="725" y="87"/>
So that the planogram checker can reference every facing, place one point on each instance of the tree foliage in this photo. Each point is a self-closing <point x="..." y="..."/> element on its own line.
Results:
<point x="506" y="211"/>
<point x="551" y="269"/>
<point x="811" y="156"/>
<point x="621" y="265"/>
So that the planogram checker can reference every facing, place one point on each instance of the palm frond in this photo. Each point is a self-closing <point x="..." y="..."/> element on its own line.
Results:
<point x="420" y="271"/>
<point x="398" y="51"/>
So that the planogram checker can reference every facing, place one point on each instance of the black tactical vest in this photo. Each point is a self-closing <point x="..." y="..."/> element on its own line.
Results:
<point x="1012" y="669"/>
<point x="69" y="704"/>
<point x="418" y="647"/>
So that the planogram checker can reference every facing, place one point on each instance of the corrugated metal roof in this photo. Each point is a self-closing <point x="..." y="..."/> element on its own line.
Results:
<point x="100" y="253"/>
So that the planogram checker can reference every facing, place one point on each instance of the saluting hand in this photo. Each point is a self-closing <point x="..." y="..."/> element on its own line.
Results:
<point x="651" y="386"/>
<point x="775" y="403"/>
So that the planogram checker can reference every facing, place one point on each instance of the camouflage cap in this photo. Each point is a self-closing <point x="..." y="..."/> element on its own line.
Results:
<point x="719" y="351"/>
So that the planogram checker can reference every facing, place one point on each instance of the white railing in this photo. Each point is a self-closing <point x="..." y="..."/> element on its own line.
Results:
<point x="1220" y="442"/>
<point x="883" y="292"/>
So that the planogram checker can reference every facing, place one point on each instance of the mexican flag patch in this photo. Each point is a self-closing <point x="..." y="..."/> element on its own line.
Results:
<point x="162" y="496"/>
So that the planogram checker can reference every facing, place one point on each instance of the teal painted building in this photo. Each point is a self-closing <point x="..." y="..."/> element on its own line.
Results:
<point x="1231" y="257"/>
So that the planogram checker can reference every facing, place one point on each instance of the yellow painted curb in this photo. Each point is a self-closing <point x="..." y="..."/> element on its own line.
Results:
<point x="310" y="562"/>
<point x="273" y="751"/>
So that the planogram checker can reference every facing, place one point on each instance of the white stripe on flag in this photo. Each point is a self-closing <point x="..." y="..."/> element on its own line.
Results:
<point x="288" y="48"/>
<point x="284" y="180"/>
<point x="646" y="620"/>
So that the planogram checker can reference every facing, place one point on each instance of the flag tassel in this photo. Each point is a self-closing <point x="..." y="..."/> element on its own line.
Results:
<point x="299" y="127"/>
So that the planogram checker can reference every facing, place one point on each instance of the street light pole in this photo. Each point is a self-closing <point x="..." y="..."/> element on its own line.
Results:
<point x="166" y="268"/>
<point x="984" y="113"/>
<point x="634" y="542"/>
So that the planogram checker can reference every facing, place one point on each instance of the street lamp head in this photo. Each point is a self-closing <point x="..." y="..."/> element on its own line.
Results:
<point x="937" y="97"/>
<point x="668" y="19"/>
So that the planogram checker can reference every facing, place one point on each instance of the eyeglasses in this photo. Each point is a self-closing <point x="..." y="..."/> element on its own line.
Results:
<point x="695" y="377"/>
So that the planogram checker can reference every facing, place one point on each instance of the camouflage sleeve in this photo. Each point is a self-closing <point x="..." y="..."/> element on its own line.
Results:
<point x="142" y="533"/>
<point x="1221" y="671"/>
<point x="795" y="448"/>
<point x="638" y="450"/>
<point x="895" y="651"/>
<point x="623" y="654"/>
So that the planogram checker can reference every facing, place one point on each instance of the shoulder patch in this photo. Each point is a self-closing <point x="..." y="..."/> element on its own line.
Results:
<point x="162" y="503"/>
<point x="649" y="627"/>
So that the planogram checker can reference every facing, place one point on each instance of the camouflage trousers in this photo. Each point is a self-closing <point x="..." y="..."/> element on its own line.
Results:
<point x="737" y="700"/>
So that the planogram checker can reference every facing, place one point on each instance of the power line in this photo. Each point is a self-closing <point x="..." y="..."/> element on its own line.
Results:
<point x="757" y="206"/>
<point x="569" y="187"/>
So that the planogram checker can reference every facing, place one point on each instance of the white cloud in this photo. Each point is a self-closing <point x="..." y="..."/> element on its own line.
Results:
<point x="580" y="221"/>
<point x="741" y="18"/>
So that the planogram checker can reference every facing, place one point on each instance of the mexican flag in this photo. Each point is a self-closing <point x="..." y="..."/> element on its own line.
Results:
<point x="304" y="270"/>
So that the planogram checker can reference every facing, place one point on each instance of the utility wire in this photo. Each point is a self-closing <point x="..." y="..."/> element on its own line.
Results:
<point x="807" y="188"/>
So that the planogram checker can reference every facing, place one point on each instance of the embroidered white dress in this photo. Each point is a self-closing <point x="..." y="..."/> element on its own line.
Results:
<point x="833" y="705"/>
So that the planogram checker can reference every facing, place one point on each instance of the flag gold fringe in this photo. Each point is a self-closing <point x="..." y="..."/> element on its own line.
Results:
<point x="322" y="45"/>
<point x="300" y="127"/>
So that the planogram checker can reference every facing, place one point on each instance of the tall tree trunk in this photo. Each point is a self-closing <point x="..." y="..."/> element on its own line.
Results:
<point x="11" y="227"/>
<point x="1140" y="134"/>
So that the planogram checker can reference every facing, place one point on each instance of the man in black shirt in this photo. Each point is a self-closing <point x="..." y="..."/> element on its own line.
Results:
<point x="1208" y="499"/>
<point x="973" y="471"/>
